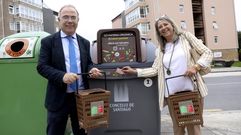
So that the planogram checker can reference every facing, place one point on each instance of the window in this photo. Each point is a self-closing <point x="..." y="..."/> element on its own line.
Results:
<point x="144" y="11"/>
<point x="35" y="27"/>
<point x="26" y="12"/>
<point x="183" y="25"/>
<point x="12" y="25"/>
<point x="11" y="9"/>
<point x="181" y="8"/>
<point x="140" y="12"/>
<point x="215" y="25"/>
<point x="29" y="13"/>
<point x="144" y="28"/>
<point x="215" y="39"/>
<point x="130" y="3"/>
<point x="133" y="16"/>
<point x="18" y="27"/>
<point x="16" y="10"/>
<point x="27" y="27"/>
<point x="38" y="2"/>
<point x="213" y="11"/>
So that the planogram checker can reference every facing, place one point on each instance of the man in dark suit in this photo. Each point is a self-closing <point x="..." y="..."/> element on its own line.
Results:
<point x="55" y="65"/>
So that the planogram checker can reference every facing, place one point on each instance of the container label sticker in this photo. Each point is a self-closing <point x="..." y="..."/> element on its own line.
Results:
<point x="121" y="92"/>
<point x="122" y="107"/>
<point x="186" y="107"/>
<point x="97" y="108"/>
<point x="121" y="99"/>
<point x="18" y="47"/>
<point x="148" y="82"/>
<point x="119" y="47"/>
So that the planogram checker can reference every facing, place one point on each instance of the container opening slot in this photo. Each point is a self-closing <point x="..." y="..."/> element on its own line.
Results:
<point x="17" y="46"/>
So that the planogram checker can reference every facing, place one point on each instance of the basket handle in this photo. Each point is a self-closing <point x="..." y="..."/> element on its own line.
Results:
<point x="176" y="77"/>
<point x="89" y="74"/>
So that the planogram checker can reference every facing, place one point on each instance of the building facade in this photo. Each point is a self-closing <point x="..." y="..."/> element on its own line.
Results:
<point x="21" y="16"/>
<point x="212" y="21"/>
<point x="50" y="20"/>
<point x="24" y="16"/>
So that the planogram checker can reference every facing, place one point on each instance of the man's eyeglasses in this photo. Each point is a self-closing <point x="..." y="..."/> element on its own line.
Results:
<point x="66" y="18"/>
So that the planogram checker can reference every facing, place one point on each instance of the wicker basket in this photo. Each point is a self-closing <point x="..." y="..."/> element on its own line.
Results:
<point x="93" y="108"/>
<point x="187" y="108"/>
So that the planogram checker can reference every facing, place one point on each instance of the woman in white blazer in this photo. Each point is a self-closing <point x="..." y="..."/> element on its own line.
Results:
<point x="173" y="58"/>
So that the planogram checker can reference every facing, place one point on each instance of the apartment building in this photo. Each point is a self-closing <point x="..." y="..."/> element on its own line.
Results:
<point x="212" y="21"/>
<point x="50" y="20"/>
<point x="24" y="16"/>
<point x="20" y="16"/>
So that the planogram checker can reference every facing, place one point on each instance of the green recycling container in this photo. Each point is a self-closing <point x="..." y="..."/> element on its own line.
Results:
<point x="22" y="89"/>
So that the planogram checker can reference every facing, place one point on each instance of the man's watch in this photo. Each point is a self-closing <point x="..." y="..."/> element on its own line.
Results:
<point x="197" y="67"/>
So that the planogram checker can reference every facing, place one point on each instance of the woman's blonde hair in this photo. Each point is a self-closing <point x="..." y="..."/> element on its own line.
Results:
<point x="161" y="40"/>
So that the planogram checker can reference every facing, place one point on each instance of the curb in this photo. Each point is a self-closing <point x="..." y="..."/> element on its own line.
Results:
<point x="230" y="69"/>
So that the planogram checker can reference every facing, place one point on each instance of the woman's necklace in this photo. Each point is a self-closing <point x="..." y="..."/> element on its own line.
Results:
<point x="168" y="70"/>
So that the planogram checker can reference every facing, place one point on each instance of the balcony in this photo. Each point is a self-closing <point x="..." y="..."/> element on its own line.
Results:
<point x="29" y="2"/>
<point x="197" y="2"/>
<point x="198" y="24"/>
<point x="197" y="9"/>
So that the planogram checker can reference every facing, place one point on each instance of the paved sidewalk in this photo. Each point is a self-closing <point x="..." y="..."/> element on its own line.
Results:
<point x="216" y="122"/>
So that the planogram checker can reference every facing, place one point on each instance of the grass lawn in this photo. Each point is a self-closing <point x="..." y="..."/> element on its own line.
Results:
<point x="237" y="64"/>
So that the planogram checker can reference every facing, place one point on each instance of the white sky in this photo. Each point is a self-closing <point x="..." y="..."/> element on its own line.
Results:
<point x="97" y="14"/>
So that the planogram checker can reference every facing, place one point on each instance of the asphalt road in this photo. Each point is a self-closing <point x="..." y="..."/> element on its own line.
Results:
<point x="224" y="91"/>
